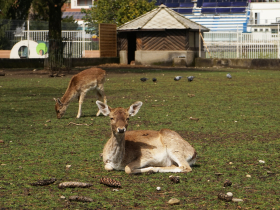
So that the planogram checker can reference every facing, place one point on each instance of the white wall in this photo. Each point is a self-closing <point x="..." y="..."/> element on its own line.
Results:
<point x="268" y="12"/>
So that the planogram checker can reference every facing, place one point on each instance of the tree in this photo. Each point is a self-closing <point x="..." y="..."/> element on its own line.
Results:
<point x="15" y="9"/>
<point x="116" y="11"/>
<point x="4" y="41"/>
<point x="55" y="39"/>
<point x="69" y="23"/>
<point x="39" y="10"/>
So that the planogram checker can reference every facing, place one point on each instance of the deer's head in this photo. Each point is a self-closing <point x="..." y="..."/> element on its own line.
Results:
<point x="119" y="116"/>
<point x="60" y="109"/>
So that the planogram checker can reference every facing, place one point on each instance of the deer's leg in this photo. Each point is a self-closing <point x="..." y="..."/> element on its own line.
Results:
<point x="174" y="169"/>
<point x="81" y="100"/>
<point x="101" y="97"/>
<point x="138" y="166"/>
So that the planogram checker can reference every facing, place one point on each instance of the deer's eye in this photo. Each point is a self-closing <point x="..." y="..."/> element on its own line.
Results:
<point x="111" y="118"/>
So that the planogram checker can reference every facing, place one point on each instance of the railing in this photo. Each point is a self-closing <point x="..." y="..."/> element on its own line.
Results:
<point x="242" y="45"/>
<point x="79" y="40"/>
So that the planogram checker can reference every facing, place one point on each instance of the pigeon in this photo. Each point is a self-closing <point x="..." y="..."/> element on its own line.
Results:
<point x="190" y="78"/>
<point x="144" y="79"/>
<point x="177" y="78"/>
<point x="229" y="76"/>
<point x="154" y="79"/>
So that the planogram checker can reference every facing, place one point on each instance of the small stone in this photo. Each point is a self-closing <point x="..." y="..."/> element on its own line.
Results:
<point x="248" y="175"/>
<point x="62" y="197"/>
<point x="230" y="163"/>
<point x="68" y="166"/>
<point x="158" y="188"/>
<point x="270" y="172"/>
<point x="3" y="164"/>
<point x="48" y="121"/>
<point x="229" y="194"/>
<point x="173" y="201"/>
<point x="237" y="200"/>
<point x="116" y="190"/>
<point x="261" y="161"/>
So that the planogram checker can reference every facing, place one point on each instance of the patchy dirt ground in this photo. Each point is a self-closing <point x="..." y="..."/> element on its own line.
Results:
<point x="110" y="68"/>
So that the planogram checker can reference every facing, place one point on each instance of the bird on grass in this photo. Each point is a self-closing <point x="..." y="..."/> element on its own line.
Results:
<point x="177" y="78"/>
<point x="190" y="78"/>
<point x="154" y="79"/>
<point x="229" y="76"/>
<point x="144" y="79"/>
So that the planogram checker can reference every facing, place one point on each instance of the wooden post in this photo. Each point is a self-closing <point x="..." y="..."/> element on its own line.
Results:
<point x="205" y="44"/>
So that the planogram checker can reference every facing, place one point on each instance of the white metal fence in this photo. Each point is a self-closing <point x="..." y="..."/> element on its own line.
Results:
<point x="79" y="40"/>
<point x="242" y="45"/>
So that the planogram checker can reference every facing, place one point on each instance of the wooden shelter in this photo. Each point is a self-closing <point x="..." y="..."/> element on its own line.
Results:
<point x="160" y="37"/>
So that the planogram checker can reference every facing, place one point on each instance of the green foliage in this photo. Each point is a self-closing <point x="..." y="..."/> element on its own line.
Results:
<point x="118" y="12"/>
<point x="4" y="41"/>
<point x="38" y="25"/>
<point x="69" y="23"/>
<point x="40" y="10"/>
<point x="238" y="126"/>
<point x="16" y="10"/>
<point x="130" y="10"/>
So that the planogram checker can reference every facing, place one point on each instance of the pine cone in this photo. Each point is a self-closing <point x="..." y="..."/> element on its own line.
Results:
<point x="224" y="197"/>
<point x="110" y="182"/>
<point x="227" y="183"/>
<point x="43" y="182"/>
<point x="175" y="179"/>
<point x="74" y="184"/>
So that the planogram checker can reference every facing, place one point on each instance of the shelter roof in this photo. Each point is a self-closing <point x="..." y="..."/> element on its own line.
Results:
<point x="159" y="18"/>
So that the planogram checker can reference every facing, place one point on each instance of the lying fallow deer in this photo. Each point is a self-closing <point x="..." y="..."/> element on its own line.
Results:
<point x="143" y="150"/>
<point x="79" y="85"/>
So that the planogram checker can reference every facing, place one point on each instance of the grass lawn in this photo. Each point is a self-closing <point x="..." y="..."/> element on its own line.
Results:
<point x="238" y="126"/>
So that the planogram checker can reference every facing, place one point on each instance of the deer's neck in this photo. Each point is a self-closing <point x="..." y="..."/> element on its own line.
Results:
<point x="115" y="149"/>
<point x="68" y="96"/>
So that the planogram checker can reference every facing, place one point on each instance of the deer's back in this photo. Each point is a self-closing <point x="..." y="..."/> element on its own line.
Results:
<point x="87" y="78"/>
<point x="148" y="139"/>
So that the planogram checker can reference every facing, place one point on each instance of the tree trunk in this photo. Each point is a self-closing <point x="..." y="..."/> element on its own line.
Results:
<point x="55" y="60"/>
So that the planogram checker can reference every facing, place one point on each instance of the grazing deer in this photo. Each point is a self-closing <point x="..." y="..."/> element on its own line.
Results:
<point x="143" y="150"/>
<point x="79" y="85"/>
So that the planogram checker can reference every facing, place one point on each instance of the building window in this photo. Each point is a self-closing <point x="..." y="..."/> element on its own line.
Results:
<point x="266" y="30"/>
<point x="84" y="2"/>
<point x="255" y="30"/>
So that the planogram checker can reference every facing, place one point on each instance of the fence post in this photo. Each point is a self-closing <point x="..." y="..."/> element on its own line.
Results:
<point x="278" y="46"/>
<point x="237" y="43"/>
<point x="199" y="44"/>
<point x="84" y="46"/>
<point x="28" y="50"/>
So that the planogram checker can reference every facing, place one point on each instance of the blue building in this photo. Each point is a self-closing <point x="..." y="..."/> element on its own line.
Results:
<point x="217" y="15"/>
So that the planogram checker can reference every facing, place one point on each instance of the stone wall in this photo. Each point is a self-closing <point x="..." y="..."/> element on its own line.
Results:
<point x="273" y="64"/>
<point x="163" y="58"/>
<point x="39" y="63"/>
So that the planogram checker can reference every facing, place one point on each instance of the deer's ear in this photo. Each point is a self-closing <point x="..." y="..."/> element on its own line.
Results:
<point x="134" y="108"/>
<point x="104" y="108"/>
<point x="57" y="100"/>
